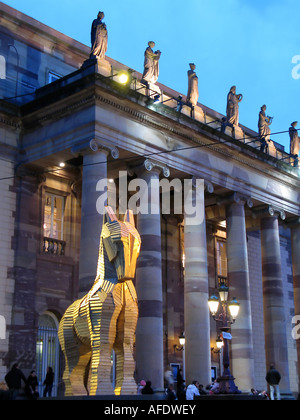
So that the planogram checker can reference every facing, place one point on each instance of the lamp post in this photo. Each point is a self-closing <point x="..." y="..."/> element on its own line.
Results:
<point x="181" y="348"/>
<point x="226" y="316"/>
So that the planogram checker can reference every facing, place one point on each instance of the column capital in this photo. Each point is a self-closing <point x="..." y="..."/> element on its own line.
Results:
<point x="148" y="165"/>
<point x="93" y="146"/>
<point x="269" y="211"/>
<point x="208" y="186"/>
<point x="235" y="198"/>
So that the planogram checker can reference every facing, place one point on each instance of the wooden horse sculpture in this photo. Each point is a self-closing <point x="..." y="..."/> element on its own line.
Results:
<point x="105" y="318"/>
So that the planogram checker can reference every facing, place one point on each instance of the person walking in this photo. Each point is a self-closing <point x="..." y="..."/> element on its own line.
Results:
<point x="14" y="380"/>
<point x="273" y="379"/>
<point x="48" y="382"/>
<point x="31" y="388"/>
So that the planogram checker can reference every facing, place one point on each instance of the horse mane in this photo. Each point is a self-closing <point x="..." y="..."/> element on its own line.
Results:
<point x="106" y="277"/>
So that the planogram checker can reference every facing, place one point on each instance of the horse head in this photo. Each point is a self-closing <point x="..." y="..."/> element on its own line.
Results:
<point x="121" y="242"/>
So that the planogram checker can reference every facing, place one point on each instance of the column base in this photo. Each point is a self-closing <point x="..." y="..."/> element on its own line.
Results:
<point x="227" y="385"/>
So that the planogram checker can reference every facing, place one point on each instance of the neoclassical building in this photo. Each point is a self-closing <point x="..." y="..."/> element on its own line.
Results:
<point x="65" y="127"/>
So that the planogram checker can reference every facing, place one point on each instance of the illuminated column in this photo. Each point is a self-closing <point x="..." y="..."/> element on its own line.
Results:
<point x="196" y="311"/>
<point x="274" y="311"/>
<point x="295" y="232"/>
<point x="239" y="286"/>
<point x="149" y="332"/>
<point x="94" y="170"/>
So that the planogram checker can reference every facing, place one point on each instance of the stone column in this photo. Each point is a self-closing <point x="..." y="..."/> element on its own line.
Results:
<point x="274" y="311"/>
<point x="94" y="170"/>
<point x="149" y="332"/>
<point x="239" y="287"/>
<point x="295" y="236"/>
<point x="196" y="311"/>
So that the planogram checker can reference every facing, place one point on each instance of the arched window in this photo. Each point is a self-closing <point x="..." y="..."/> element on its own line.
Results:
<point x="2" y="67"/>
<point x="47" y="350"/>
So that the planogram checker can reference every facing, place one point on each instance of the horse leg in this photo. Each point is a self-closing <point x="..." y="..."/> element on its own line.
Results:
<point x="117" y="335"/>
<point x="119" y="352"/>
<point x="126" y="326"/>
<point x="101" y="314"/>
<point x="76" y="355"/>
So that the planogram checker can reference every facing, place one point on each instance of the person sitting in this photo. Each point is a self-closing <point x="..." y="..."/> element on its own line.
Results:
<point x="192" y="390"/>
<point x="147" y="390"/>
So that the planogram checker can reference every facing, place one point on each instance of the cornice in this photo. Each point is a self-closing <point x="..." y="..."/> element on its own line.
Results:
<point x="232" y="149"/>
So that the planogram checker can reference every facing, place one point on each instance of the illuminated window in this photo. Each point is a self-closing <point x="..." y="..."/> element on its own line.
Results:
<point x="221" y="254"/>
<point x="2" y="67"/>
<point x="54" y="216"/>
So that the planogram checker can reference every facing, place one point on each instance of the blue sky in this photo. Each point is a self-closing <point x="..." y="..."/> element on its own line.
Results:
<point x="247" y="43"/>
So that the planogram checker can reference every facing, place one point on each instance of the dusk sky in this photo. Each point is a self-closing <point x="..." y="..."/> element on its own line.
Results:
<point x="252" y="44"/>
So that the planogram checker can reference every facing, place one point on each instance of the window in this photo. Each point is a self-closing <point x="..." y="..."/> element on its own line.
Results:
<point x="54" y="216"/>
<point x="52" y="77"/>
<point x="2" y="67"/>
<point x="47" y="350"/>
<point x="221" y="254"/>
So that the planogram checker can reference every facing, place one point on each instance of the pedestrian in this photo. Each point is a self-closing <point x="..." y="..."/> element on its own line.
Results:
<point x="179" y="378"/>
<point x="48" y="382"/>
<point x="31" y="387"/>
<point x="169" y="378"/>
<point x="14" y="380"/>
<point x="180" y="385"/>
<point x="147" y="390"/>
<point x="201" y="390"/>
<point x="170" y="393"/>
<point x="181" y="392"/>
<point x="215" y="389"/>
<point x="141" y="387"/>
<point x="192" y="390"/>
<point x="273" y="379"/>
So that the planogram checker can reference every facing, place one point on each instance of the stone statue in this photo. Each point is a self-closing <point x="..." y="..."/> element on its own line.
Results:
<point x="99" y="37"/>
<point x="264" y="123"/>
<point x="193" y="92"/>
<point x="232" y="111"/>
<point x="151" y="64"/>
<point x="106" y="318"/>
<point x="294" y="148"/>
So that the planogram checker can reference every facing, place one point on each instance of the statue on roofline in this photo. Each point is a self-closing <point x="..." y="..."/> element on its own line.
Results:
<point x="193" y="92"/>
<point x="264" y="122"/>
<point x="294" y="145"/>
<point x="99" y="37"/>
<point x="151" y="64"/>
<point x="232" y="111"/>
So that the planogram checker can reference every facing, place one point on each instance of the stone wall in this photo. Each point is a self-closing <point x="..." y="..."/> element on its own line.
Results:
<point x="7" y="284"/>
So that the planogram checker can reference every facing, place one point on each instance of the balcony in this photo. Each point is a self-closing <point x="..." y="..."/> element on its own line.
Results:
<point x="53" y="246"/>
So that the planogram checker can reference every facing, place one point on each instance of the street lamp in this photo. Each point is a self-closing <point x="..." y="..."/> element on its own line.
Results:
<point x="227" y="315"/>
<point x="220" y="343"/>
<point x="181" y="342"/>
